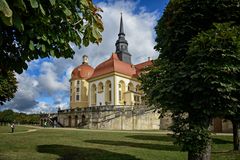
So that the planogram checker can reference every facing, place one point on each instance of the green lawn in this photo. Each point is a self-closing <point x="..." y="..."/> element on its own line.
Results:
<point x="49" y="144"/>
<point x="7" y="129"/>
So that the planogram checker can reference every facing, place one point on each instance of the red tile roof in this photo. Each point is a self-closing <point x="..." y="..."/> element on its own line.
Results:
<point x="142" y="65"/>
<point x="139" y="67"/>
<point x="113" y="64"/>
<point x="83" y="71"/>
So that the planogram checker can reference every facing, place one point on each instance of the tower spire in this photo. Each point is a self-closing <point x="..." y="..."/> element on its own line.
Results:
<point x="121" y="31"/>
<point x="122" y="45"/>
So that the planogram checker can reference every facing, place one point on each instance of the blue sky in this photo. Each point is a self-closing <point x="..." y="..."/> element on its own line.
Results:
<point x="149" y="5"/>
<point x="44" y="86"/>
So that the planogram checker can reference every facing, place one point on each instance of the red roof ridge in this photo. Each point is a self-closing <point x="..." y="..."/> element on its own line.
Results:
<point x="114" y="56"/>
<point x="141" y="66"/>
<point x="114" y="64"/>
<point x="148" y="61"/>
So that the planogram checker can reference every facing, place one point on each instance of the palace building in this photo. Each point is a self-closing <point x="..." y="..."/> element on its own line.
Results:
<point x="113" y="82"/>
<point x="109" y="96"/>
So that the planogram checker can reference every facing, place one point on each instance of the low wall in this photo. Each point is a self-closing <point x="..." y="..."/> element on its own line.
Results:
<point x="112" y="117"/>
<point x="124" y="118"/>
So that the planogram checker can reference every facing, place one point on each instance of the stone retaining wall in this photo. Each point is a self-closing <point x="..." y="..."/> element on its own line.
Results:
<point x="112" y="117"/>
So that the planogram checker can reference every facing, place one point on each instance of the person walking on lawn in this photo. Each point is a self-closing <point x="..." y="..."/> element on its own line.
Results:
<point x="12" y="127"/>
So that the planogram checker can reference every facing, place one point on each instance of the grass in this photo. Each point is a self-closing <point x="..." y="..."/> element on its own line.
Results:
<point x="52" y="144"/>
<point x="7" y="129"/>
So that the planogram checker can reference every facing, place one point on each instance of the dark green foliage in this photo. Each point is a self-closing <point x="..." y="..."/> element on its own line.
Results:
<point x="8" y="116"/>
<point x="32" y="29"/>
<point x="184" y="19"/>
<point x="8" y="86"/>
<point x="43" y="28"/>
<point x="213" y="60"/>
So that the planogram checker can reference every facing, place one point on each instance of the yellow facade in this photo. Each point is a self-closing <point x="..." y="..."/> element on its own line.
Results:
<point x="78" y="93"/>
<point x="114" y="89"/>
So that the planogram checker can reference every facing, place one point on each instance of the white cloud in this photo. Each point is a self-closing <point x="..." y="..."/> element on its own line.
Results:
<point x="69" y="71"/>
<point x="26" y="94"/>
<point x="52" y="78"/>
<point x="27" y="85"/>
<point x="45" y="107"/>
<point x="138" y="27"/>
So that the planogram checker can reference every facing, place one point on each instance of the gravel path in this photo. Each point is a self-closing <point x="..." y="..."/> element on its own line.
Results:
<point x="115" y="131"/>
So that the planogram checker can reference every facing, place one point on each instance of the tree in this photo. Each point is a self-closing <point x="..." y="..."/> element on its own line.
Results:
<point x="197" y="72"/>
<point x="30" y="29"/>
<point x="7" y="116"/>
<point x="7" y="86"/>
<point x="213" y="66"/>
<point x="234" y="117"/>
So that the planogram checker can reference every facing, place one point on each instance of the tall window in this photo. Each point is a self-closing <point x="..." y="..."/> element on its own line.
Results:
<point x="100" y="87"/>
<point x="77" y="89"/>
<point x="108" y="92"/>
<point x="121" y="90"/>
<point x="93" y="94"/>
<point x="78" y="83"/>
<point x="130" y="87"/>
<point x="77" y="97"/>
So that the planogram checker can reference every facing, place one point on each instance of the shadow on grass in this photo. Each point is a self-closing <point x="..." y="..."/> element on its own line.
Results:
<point x="78" y="153"/>
<point x="136" y="145"/>
<point x="152" y="137"/>
<point x="221" y="141"/>
<point x="227" y="153"/>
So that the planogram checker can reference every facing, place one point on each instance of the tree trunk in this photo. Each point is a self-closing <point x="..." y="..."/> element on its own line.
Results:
<point x="204" y="122"/>
<point x="236" y="146"/>
<point x="204" y="155"/>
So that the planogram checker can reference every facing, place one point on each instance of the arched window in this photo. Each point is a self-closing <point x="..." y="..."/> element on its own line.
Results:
<point x="93" y="94"/>
<point x="108" y="92"/>
<point x="76" y="121"/>
<point x="69" y="121"/>
<point x="100" y="87"/>
<point x="130" y="86"/>
<point x="83" y="120"/>
<point x="121" y="90"/>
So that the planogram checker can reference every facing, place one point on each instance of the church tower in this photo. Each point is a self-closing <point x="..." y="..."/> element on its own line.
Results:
<point x="122" y="45"/>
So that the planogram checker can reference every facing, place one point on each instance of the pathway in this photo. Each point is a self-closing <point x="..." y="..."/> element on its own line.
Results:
<point x="101" y="130"/>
